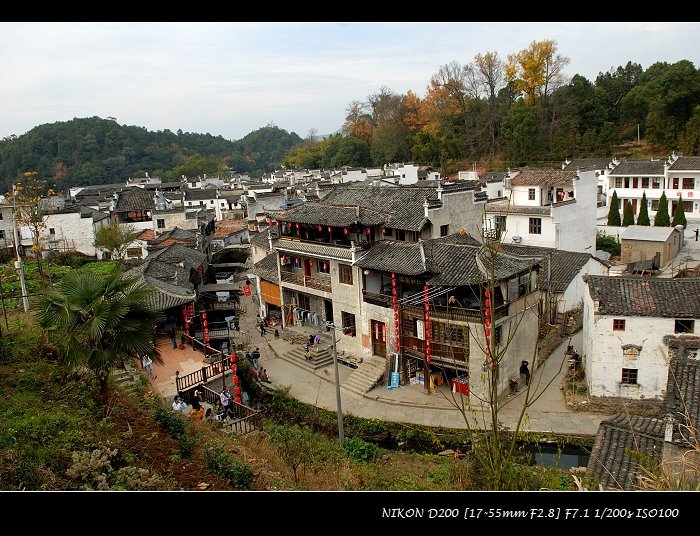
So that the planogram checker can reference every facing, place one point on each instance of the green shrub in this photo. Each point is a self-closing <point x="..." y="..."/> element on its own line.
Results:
<point x="359" y="450"/>
<point x="171" y="421"/>
<point x="229" y="467"/>
<point x="607" y="243"/>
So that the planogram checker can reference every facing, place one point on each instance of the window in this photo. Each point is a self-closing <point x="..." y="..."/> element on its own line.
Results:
<point x="160" y="223"/>
<point x="2" y="235"/>
<point x="645" y="182"/>
<point x="400" y="234"/>
<point x="531" y="194"/>
<point x="52" y="231"/>
<point x="684" y="326"/>
<point x="388" y="232"/>
<point x="348" y="323"/>
<point x="629" y="376"/>
<point x="618" y="182"/>
<point x="635" y="182"/>
<point x="688" y="183"/>
<point x="535" y="225"/>
<point x="444" y="230"/>
<point x="324" y="267"/>
<point x="296" y="263"/>
<point x="675" y="183"/>
<point x="654" y="204"/>
<point x="345" y="274"/>
<point x="134" y="253"/>
<point x="655" y="183"/>
<point x="0" y="215"/>
<point x="618" y="324"/>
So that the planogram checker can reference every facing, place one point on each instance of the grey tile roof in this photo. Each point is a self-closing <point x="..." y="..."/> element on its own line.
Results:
<point x="503" y="206"/>
<point x="181" y="235"/>
<point x="392" y="256"/>
<point x="587" y="163"/>
<point x="494" y="176"/>
<point x="198" y="194"/>
<point x="99" y="215"/>
<point x="612" y="462"/>
<point x="171" y="283"/>
<point x="541" y="177"/>
<point x="260" y="239"/>
<point x="663" y="297"/>
<point x="267" y="268"/>
<point x="173" y="196"/>
<point x="402" y="205"/>
<point x="177" y="253"/>
<point x="453" y="262"/>
<point x="638" y="168"/>
<point x="167" y="295"/>
<point x="683" y="393"/>
<point x="322" y="213"/>
<point x="309" y="248"/>
<point x="686" y="163"/>
<point x="135" y="199"/>
<point x="565" y="264"/>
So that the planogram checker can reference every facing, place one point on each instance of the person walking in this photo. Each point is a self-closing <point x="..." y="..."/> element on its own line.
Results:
<point x="147" y="364"/>
<point x="262" y="328"/>
<point x="255" y="356"/>
<point x="697" y="232"/>
<point x="525" y="371"/>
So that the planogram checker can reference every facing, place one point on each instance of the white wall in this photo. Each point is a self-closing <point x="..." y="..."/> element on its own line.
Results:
<point x="519" y="225"/>
<point x="74" y="231"/>
<point x="520" y="196"/>
<point x="577" y="289"/>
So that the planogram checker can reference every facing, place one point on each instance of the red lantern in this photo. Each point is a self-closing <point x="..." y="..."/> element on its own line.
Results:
<point x="298" y="225"/>
<point x="487" y="303"/>
<point x="235" y="380"/>
<point x="395" y="299"/>
<point x="367" y="230"/>
<point x="237" y="400"/>
<point x="383" y="231"/>
<point x="233" y="358"/>
<point x="330" y="229"/>
<point x="319" y="227"/>
<point x="393" y="283"/>
<point x="425" y="289"/>
<point x="428" y="359"/>
<point x="234" y="368"/>
<point x="487" y="293"/>
<point x="205" y="324"/>
<point x="237" y="390"/>
<point x="325" y="266"/>
<point x="487" y="313"/>
<point x="311" y="263"/>
<point x="487" y="331"/>
<point x="206" y="332"/>
<point x="204" y="316"/>
<point x="345" y="231"/>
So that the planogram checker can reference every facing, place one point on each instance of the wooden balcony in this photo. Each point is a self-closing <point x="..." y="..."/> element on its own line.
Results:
<point x="460" y="314"/>
<point x="307" y="281"/>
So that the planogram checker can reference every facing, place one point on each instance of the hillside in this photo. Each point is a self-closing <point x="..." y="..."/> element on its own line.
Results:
<point x="99" y="151"/>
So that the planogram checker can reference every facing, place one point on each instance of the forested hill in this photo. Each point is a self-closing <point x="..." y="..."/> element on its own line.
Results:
<point x="100" y="151"/>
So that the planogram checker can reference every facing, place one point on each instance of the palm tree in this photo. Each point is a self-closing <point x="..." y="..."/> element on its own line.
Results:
<point x="100" y="321"/>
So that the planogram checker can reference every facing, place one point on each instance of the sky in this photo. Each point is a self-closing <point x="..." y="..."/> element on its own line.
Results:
<point x="229" y="79"/>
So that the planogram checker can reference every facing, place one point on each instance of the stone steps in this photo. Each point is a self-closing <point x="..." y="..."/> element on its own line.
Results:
<point x="321" y="357"/>
<point x="366" y="376"/>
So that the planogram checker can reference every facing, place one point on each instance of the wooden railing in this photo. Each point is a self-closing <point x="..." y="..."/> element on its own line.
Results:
<point x="307" y="281"/>
<point x="382" y="300"/>
<point x="245" y="419"/>
<point x="201" y="376"/>
<point x="454" y="313"/>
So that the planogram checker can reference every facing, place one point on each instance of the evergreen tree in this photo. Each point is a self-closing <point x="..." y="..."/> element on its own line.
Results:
<point x="643" y="217"/>
<point x="662" y="219"/>
<point x="614" y="212"/>
<point x="679" y="214"/>
<point x="627" y="215"/>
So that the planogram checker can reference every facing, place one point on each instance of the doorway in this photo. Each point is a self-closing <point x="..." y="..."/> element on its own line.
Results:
<point x="378" y="338"/>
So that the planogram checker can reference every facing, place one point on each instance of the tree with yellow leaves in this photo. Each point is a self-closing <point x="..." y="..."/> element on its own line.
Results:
<point x="30" y="211"/>
<point x="537" y="71"/>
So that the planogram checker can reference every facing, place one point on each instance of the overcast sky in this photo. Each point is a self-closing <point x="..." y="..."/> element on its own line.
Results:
<point x="231" y="78"/>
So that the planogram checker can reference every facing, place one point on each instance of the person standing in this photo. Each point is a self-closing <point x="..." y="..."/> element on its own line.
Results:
<point x="262" y="328"/>
<point x="173" y="337"/>
<point x="255" y="356"/>
<point x="197" y="411"/>
<point x="225" y="398"/>
<point x="179" y="404"/>
<point x="697" y="232"/>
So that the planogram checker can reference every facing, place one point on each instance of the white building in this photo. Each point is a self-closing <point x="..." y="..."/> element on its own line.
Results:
<point x="546" y="208"/>
<point x="73" y="229"/>
<point x="628" y="324"/>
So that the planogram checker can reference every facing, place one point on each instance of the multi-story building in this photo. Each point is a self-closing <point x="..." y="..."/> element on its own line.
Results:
<point x="546" y="208"/>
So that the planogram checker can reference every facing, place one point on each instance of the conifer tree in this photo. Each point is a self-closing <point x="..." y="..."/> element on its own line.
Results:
<point x="627" y="215"/>
<point x="614" y="211"/>
<point x="679" y="214"/>
<point x="643" y="217"/>
<point x="662" y="219"/>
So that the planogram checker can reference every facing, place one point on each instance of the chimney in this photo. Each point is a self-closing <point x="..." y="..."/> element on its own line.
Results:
<point x="425" y="207"/>
<point x="439" y="191"/>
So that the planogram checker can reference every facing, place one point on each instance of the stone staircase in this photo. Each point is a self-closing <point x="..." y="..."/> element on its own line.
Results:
<point x="321" y="357"/>
<point x="366" y="376"/>
<point x="126" y="376"/>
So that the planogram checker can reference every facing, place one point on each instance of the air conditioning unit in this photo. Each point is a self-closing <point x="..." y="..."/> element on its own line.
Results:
<point x="517" y="239"/>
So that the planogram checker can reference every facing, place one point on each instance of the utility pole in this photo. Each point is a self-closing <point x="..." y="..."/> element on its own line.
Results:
<point x="341" y="431"/>
<point x="19" y="265"/>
